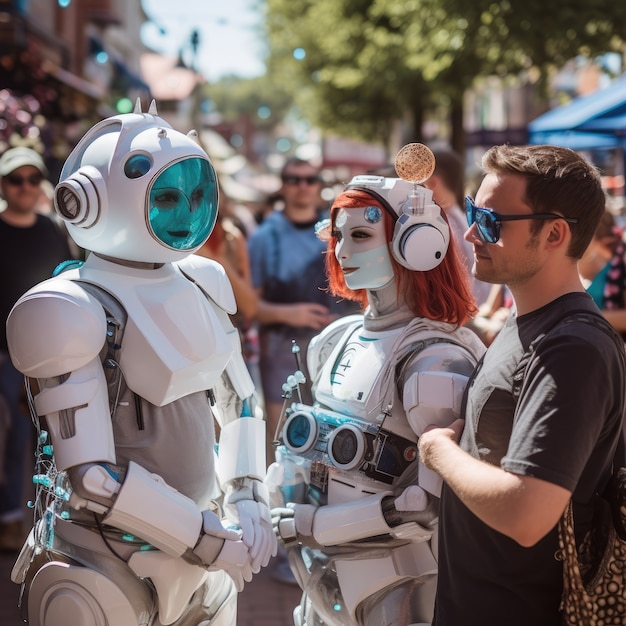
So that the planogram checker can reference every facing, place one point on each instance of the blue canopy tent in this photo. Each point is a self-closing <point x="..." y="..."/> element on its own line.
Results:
<point x="593" y="122"/>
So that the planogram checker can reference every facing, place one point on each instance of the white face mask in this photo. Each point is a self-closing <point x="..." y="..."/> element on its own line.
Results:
<point x="362" y="250"/>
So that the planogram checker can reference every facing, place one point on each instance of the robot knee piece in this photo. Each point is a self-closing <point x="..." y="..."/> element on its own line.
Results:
<point x="62" y="593"/>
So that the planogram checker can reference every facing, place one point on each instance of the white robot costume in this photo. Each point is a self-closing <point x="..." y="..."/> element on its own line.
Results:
<point x="134" y="355"/>
<point x="352" y="503"/>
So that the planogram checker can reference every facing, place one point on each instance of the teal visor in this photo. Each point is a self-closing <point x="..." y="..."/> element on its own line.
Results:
<point x="183" y="204"/>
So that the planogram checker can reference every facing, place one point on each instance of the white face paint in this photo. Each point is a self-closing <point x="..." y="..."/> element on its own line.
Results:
<point x="362" y="250"/>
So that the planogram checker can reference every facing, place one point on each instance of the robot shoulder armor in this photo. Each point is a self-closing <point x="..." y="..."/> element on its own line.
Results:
<point x="55" y="328"/>
<point x="211" y="277"/>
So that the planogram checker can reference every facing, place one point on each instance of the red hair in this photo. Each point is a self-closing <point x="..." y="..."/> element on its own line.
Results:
<point x="442" y="294"/>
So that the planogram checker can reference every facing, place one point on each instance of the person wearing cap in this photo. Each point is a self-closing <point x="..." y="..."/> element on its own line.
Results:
<point x="31" y="246"/>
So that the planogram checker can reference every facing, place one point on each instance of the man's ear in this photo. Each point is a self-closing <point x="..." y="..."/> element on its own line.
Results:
<point x="559" y="229"/>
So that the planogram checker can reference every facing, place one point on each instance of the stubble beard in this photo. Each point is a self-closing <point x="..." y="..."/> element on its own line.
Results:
<point x="512" y="274"/>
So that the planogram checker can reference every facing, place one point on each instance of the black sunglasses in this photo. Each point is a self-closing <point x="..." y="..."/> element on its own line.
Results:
<point x="488" y="222"/>
<point x="296" y="180"/>
<point x="16" y="180"/>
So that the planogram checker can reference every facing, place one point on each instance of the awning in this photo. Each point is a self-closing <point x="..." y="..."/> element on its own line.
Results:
<point x="73" y="81"/>
<point x="595" y="121"/>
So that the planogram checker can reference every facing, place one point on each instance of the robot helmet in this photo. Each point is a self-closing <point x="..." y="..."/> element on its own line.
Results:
<point x="421" y="234"/>
<point x="136" y="189"/>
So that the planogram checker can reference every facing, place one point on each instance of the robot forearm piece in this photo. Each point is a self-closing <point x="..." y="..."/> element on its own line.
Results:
<point x="242" y="450"/>
<point x="149" y="508"/>
<point x="340" y="523"/>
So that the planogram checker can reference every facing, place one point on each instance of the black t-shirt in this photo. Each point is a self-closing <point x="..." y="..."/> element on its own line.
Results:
<point x="563" y="429"/>
<point x="27" y="256"/>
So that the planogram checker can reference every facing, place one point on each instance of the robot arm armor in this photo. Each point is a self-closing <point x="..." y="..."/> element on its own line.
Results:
<point x="433" y="386"/>
<point x="211" y="278"/>
<point x="145" y="506"/>
<point x="148" y="507"/>
<point x="72" y="335"/>
<point x="345" y="522"/>
<point x="433" y="398"/>
<point x="78" y="416"/>
<point x="432" y="395"/>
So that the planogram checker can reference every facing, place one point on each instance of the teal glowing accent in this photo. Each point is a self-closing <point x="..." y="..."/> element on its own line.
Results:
<point x="337" y="607"/>
<point x="30" y="504"/>
<point x="245" y="409"/>
<point x="65" y="515"/>
<point x="43" y="436"/>
<point x="48" y="529"/>
<point x="64" y="266"/>
<point x="183" y="204"/>
<point x="41" y="479"/>
<point x="128" y="537"/>
<point x="47" y="450"/>
<point x="368" y="338"/>
<point x="61" y="493"/>
<point x="111" y="472"/>
<point x="145" y="547"/>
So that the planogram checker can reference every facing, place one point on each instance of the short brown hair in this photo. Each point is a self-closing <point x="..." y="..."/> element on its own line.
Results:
<point x="560" y="181"/>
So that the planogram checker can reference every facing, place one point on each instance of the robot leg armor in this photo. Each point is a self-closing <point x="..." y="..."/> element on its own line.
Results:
<point x="60" y="590"/>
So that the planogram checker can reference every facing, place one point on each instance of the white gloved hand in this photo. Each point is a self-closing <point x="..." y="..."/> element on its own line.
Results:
<point x="234" y="559"/>
<point x="221" y="548"/>
<point x="293" y="521"/>
<point x="245" y="504"/>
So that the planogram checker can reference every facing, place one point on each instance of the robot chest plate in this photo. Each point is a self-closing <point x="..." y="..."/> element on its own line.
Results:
<point x="174" y="342"/>
<point x="352" y="379"/>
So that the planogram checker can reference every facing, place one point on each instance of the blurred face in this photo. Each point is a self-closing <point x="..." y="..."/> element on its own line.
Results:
<point x="21" y="189"/>
<point x="362" y="250"/>
<point x="301" y="186"/>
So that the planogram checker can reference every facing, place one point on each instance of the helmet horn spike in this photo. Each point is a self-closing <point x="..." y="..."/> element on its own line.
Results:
<point x="137" y="108"/>
<point x="153" y="108"/>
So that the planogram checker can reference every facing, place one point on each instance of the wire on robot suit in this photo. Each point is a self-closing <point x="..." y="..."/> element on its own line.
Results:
<point x="351" y="501"/>
<point x="129" y="352"/>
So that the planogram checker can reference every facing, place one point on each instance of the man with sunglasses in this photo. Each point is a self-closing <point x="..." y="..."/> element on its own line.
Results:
<point x="544" y="410"/>
<point x="31" y="246"/>
<point x="288" y="272"/>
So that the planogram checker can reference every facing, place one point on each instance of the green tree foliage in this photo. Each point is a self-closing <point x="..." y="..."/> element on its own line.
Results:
<point x="370" y="63"/>
<point x="235" y="97"/>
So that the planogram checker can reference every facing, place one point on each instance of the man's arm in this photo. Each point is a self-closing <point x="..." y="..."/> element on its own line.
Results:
<point x="298" y="314"/>
<point x="521" y="507"/>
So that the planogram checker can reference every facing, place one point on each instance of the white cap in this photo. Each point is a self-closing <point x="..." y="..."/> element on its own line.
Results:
<point x="14" y="158"/>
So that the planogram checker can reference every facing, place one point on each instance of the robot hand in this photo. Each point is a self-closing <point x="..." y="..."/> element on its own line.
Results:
<point x="293" y="521"/>
<point x="222" y="549"/>
<point x="246" y="504"/>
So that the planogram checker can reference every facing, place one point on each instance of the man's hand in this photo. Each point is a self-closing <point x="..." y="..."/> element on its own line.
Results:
<point x="432" y="438"/>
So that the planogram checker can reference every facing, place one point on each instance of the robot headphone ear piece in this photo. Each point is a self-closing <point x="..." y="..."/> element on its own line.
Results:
<point x="420" y="242"/>
<point x="80" y="198"/>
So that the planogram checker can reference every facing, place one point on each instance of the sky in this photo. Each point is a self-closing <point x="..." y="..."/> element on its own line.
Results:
<point x="228" y="41"/>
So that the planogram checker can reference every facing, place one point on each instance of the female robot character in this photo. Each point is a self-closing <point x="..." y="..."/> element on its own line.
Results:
<point x="133" y="356"/>
<point x="359" y="513"/>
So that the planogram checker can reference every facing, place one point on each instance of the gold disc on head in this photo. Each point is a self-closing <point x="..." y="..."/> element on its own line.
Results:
<point x="415" y="162"/>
